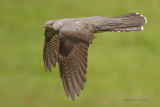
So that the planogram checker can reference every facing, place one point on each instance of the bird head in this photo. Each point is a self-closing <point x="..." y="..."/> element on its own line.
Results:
<point x="48" y="24"/>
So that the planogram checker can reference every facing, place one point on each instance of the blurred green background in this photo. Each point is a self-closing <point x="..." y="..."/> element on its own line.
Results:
<point x="123" y="68"/>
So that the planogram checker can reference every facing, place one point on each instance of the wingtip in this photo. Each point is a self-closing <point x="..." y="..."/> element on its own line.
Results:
<point x="50" y="70"/>
<point x="73" y="99"/>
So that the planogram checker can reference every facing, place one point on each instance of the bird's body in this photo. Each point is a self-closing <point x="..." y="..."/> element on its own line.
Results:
<point x="67" y="42"/>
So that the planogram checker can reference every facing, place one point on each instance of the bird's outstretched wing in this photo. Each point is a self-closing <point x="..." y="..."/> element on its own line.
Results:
<point x="73" y="51"/>
<point x="50" y="50"/>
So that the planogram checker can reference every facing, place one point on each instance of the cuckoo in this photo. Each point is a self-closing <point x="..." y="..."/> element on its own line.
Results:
<point x="67" y="41"/>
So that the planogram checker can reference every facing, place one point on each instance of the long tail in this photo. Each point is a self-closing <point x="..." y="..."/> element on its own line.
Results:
<point x="125" y="23"/>
<point x="129" y="22"/>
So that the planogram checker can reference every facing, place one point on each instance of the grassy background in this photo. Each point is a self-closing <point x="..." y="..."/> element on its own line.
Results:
<point x="121" y="65"/>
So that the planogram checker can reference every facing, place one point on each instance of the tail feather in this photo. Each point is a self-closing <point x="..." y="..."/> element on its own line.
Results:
<point x="128" y="29"/>
<point x="127" y="23"/>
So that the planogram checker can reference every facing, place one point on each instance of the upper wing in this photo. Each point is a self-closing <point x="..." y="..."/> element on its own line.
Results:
<point x="73" y="52"/>
<point x="50" y="50"/>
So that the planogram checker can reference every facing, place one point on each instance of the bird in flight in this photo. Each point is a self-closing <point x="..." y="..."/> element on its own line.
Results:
<point x="67" y="42"/>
